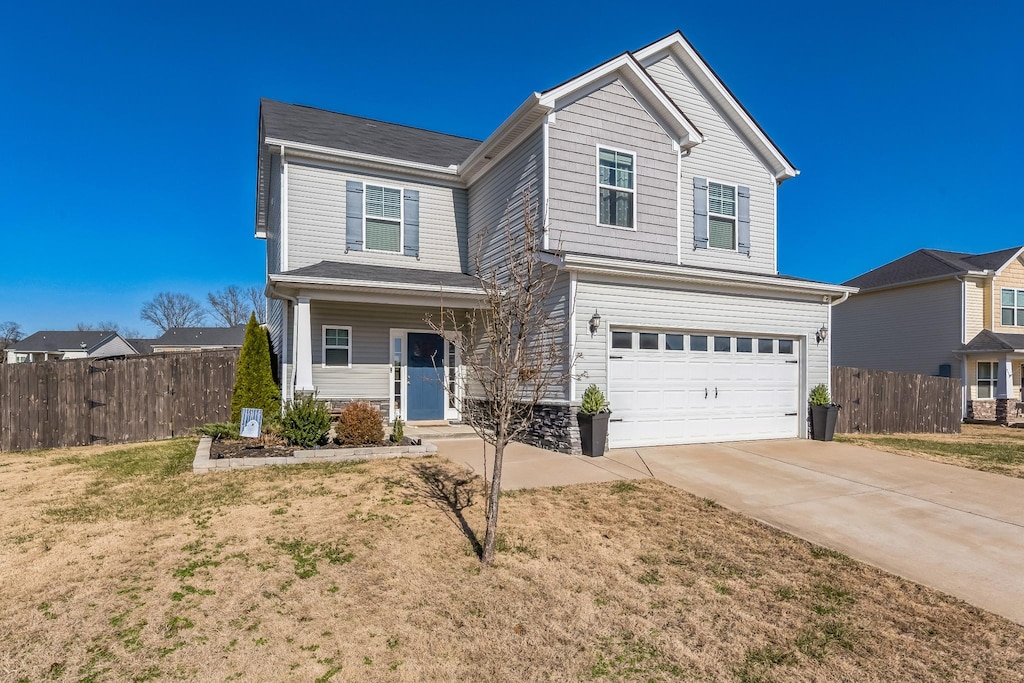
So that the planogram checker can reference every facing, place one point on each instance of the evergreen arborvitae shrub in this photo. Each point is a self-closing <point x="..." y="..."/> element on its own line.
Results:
<point x="254" y="383"/>
<point x="359" y="424"/>
<point x="306" y="422"/>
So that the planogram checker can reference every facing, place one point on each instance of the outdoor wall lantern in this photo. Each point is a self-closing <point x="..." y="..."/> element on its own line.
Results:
<point x="595" y="322"/>
<point x="822" y="334"/>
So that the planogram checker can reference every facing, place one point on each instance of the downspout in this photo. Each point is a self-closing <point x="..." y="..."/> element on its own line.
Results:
<point x="963" y="340"/>
<point x="828" y="339"/>
<point x="545" y="185"/>
<point x="290" y="394"/>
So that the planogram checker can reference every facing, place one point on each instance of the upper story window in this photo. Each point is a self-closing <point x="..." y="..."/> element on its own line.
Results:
<point x="616" y="188"/>
<point x="383" y="222"/>
<point x="721" y="216"/>
<point x="1013" y="307"/>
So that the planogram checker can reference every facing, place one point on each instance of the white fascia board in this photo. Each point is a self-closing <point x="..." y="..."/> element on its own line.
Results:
<point x="410" y="290"/>
<point x="1010" y="260"/>
<point x="261" y="234"/>
<point x="679" y="47"/>
<point x="628" y="68"/>
<point x="505" y="133"/>
<point x="372" y="160"/>
<point x="682" y="274"/>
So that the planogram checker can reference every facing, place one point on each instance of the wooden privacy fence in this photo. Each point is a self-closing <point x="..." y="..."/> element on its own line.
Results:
<point x="879" y="402"/>
<point x="137" y="398"/>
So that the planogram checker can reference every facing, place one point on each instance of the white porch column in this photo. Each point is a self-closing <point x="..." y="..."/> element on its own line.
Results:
<point x="1004" y="380"/>
<point x="303" y="346"/>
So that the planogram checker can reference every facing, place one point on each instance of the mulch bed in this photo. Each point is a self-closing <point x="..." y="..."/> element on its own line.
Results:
<point x="246" y="448"/>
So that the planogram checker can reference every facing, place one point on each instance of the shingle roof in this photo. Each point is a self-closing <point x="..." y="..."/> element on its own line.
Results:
<point x="61" y="340"/>
<point x="925" y="264"/>
<point x="332" y="270"/>
<point x="298" y="123"/>
<point x="142" y="346"/>
<point x="987" y="340"/>
<point x="201" y="336"/>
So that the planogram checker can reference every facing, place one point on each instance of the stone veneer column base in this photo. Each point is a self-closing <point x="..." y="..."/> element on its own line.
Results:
<point x="983" y="410"/>
<point x="555" y="429"/>
<point x="1003" y="411"/>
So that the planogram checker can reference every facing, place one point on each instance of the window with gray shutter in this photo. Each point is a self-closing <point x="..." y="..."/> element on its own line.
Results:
<point x="383" y="222"/>
<point x="722" y="216"/>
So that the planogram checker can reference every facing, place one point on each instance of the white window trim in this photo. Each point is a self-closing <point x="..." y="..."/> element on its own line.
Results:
<point x="597" y="192"/>
<point x="991" y="382"/>
<point x="323" y="345"/>
<point x="735" y="219"/>
<point x="1017" y="310"/>
<point x="401" y="217"/>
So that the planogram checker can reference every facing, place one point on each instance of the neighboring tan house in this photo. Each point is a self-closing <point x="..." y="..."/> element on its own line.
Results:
<point x="66" y="344"/>
<point x="178" y="339"/>
<point x="656" y="193"/>
<point x="942" y="313"/>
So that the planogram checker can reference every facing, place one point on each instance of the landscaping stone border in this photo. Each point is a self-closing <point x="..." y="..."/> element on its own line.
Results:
<point x="203" y="463"/>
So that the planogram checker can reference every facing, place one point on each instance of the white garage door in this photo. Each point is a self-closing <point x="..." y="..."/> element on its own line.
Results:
<point x="673" y="388"/>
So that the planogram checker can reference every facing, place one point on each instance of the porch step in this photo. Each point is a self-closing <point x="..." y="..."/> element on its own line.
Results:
<point x="440" y="430"/>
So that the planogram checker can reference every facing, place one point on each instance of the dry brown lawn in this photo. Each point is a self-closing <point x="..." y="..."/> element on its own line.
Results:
<point x="119" y="564"/>
<point x="990" y="448"/>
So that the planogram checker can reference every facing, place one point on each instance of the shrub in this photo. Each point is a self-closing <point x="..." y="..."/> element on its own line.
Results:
<point x="306" y="422"/>
<point x="219" y="430"/>
<point x="359" y="425"/>
<point x="254" y="383"/>
<point x="819" y="396"/>
<point x="398" y="430"/>
<point x="593" y="401"/>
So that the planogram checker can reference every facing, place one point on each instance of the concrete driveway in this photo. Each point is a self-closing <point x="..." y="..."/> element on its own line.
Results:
<point x="954" y="529"/>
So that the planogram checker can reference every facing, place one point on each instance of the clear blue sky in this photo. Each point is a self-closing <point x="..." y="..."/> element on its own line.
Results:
<point x="130" y="128"/>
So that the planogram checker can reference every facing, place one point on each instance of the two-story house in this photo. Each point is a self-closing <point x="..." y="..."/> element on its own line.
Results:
<point x="655" y="191"/>
<point x="942" y="313"/>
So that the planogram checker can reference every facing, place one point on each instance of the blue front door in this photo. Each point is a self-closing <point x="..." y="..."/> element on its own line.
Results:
<point x="426" y="377"/>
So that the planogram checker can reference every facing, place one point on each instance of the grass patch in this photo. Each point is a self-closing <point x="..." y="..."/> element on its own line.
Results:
<point x="988" y="448"/>
<point x="128" y="567"/>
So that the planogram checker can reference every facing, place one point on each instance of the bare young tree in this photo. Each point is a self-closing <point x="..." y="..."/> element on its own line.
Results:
<point x="230" y="306"/>
<point x="513" y="349"/>
<point x="258" y="299"/>
<point x="10" y="333"/>
<point x="168" y="309"/>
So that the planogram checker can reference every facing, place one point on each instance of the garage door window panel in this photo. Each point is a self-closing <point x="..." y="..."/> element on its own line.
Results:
<point x="786" y="346"/>
<point x="744" y="345"/>
<point x="622" y="340"/>
<point x="766" y="346"/>
<point x="698" y="342"/>
<point x="723" y="344"/>
<point x="648" y="341"/>
<point x="673" y="342"/>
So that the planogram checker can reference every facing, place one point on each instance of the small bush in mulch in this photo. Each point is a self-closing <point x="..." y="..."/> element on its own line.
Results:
<point x="359" y="424"/>
<point x="306" y="422"/>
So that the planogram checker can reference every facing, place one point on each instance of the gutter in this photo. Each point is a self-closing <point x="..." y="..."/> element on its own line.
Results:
<point x="682" y="274"/>
<point x="369" y="286"/>
<point x="925" y="280"/>
<point x="360" y="157"/>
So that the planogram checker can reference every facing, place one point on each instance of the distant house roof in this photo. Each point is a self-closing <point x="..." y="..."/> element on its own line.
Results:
<point x="53" y="341"/>
<point x="332" y="270"/>
<point x="190" y="337"/>
<point x="142" y="346"/>
<point x="931" y="264"/>
<point x="298" y="123"/>
<point x="987" y="340"/>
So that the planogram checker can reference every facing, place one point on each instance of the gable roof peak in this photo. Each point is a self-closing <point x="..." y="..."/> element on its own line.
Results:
<point x="697" y="67"/>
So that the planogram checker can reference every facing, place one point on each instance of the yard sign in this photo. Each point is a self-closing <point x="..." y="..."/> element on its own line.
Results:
<point x="252" y="421"/>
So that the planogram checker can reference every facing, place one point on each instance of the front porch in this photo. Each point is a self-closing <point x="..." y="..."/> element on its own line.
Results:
<point x="993" y="388"/>
<point x="364" y="333"/>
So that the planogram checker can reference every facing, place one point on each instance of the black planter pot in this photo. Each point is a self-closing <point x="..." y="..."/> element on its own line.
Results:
<point x="593" y="433"/>
<point x="823" y="422"/>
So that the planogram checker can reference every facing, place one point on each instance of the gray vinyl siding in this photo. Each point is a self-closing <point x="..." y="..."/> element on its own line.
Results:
<point x="558" y="330"/>
<point x="370" y="374"/>
<point x="316" y="221"/>
<point x="908" y="329"/>
<point x="611" y="116"/>
<point x="115" y="347"/>
<point x="496" y="203"/>
<point x="275" y="329"/>
<point x="664" y="308"/>
<point x="723" y="157"/>
<point x="274" y="217"/>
